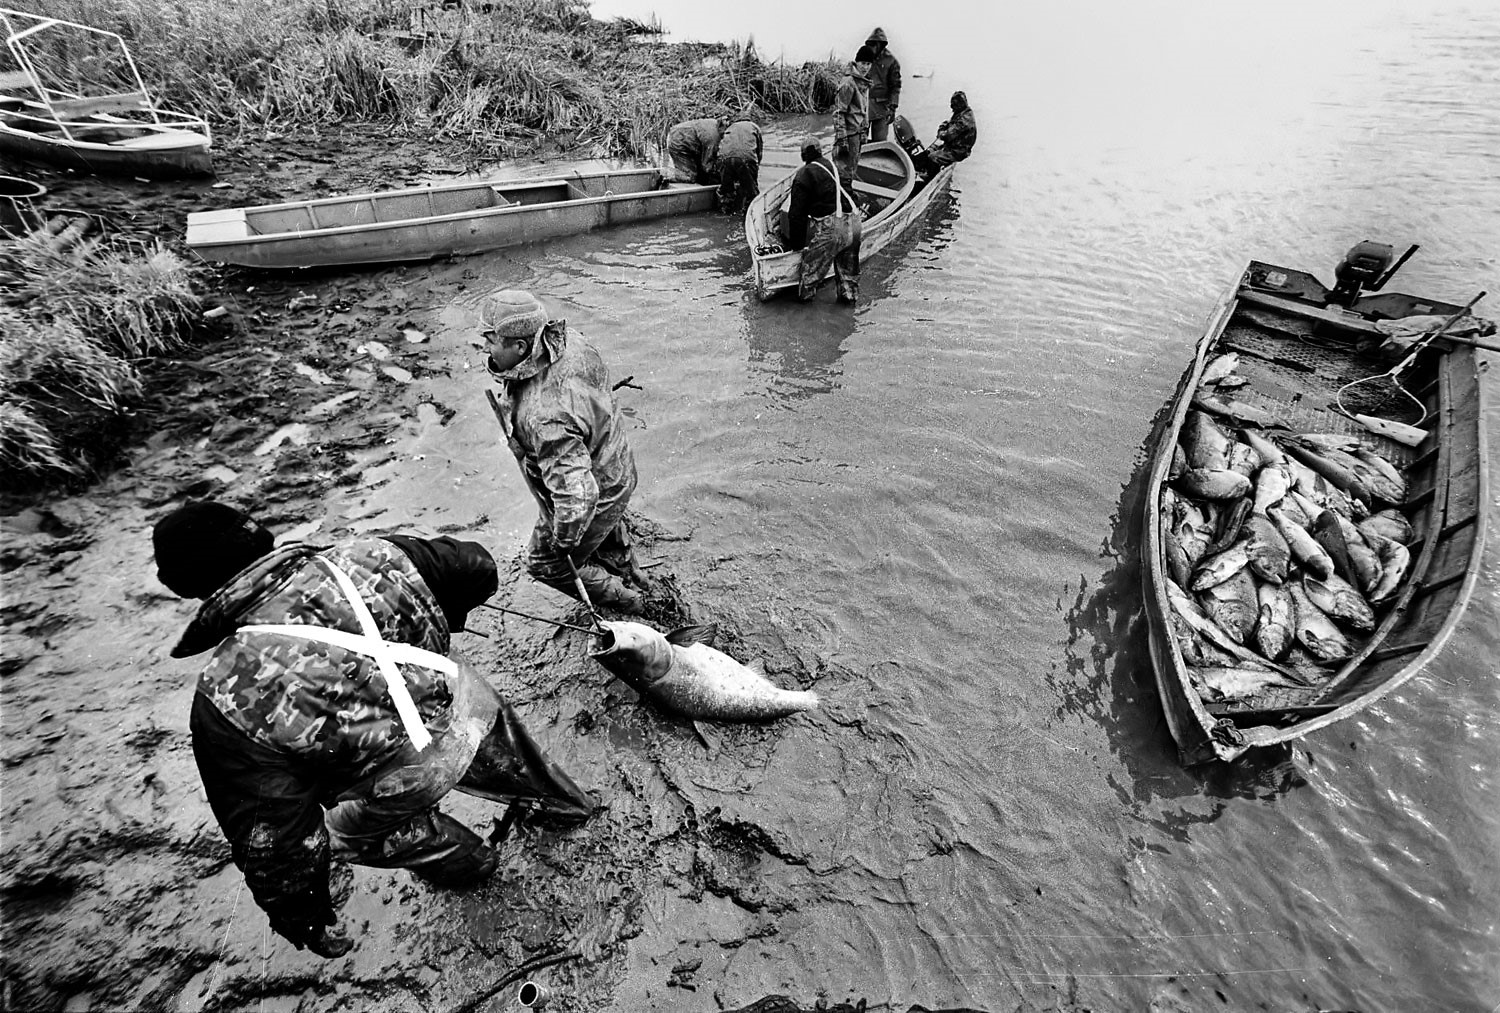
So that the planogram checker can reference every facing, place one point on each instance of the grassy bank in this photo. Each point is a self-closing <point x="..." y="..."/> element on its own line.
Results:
<point x="75" y="318"/>
<point x="498" y="78"/>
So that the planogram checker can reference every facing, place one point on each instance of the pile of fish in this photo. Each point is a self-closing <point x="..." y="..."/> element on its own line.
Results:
<point x="1281" y="547"/>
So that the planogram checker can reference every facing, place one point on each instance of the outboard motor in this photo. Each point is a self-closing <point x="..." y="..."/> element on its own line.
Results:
<point x="905" y="135"/>
<point x="1363" y="267"/>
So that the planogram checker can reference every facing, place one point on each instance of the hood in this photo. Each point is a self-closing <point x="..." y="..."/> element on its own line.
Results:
<point x="877" y="35"/>
<point x="546" y="349"/>
<point x="634" y="652"/>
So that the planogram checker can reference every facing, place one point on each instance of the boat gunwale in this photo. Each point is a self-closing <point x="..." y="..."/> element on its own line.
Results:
<point x="1197" y="745"/>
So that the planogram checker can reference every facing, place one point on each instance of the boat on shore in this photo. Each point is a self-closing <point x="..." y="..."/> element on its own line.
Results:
<point x="451" y="219"/>
<point x="891" y="196"/>
<point x="1308" y="550"/>
<point x="117" y="132"/>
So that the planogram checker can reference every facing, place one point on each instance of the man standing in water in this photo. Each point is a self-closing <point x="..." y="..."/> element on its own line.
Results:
<point x="822" y="224"/>
<point x="851" y="116"/>
<point x="693" y="151"/>
<point x="740" y="152"/>
<point x="558" y="412"/>
<point x="331" y="718"/>
<point x="885" y="86"/>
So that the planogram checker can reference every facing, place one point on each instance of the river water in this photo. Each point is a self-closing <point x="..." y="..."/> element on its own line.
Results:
<point x="936" y="491"/>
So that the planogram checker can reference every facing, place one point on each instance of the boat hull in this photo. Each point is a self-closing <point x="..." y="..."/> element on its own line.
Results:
<point x="1289" y="348"/>
<point x="422" y="223"/>
<point x="885" y="167"/>
<point x="159" y="155"/>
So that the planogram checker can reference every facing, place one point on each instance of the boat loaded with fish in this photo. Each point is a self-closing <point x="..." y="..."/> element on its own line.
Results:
<point x="1314" y="514"/>
<point x="890" y="194"/>
<point x="448" y="219"/>
<point x="120" y="130"/>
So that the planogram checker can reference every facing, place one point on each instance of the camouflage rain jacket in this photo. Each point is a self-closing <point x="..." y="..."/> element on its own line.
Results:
<point x="284" y="727"/>
<point x="564" y="428"/>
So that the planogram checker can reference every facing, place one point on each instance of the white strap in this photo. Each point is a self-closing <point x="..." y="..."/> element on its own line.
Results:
<point x="838" y="190"/>
<point x="370" y="643"/>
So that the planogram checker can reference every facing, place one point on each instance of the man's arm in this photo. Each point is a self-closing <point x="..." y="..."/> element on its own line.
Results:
<point x="274" y="824"/>
<point x="567" y="468"/>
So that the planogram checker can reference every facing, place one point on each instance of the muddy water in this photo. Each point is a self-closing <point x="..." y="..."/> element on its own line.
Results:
<point x="925" y="509"/>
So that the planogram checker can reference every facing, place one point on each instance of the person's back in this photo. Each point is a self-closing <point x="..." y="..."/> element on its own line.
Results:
<point x="742" y="139"/>
<point x="814" y="195"/>
<point x="693" y="151"/>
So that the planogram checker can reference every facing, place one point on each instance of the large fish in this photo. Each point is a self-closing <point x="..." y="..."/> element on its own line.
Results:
<point x="1269" y="452"/>
<point x="1380" y="464"/>
<point x="1221" y="566"/>
<point x="1271" y="486"/>
<point x="1204" y="443"/>
<point x="1337" y="473"/>
<point x="682" y="673"/>
<point x="1362" y="556"/>
<point x="1387" y="523"/>
<point x="1232" y="606"/>
<point x="1244" y="459"/>
<point x="1395" y="560"/>
<point x="1339" y="599"/>
<point x="1205" y="627"/>
<point x="1237" y="683"/>
<point x="1316" y="631"/>
<point x="1276" y="624"/>
<point x="1303" y="545"/>
<point x="1214" y="483"/>
<point x="1270" y="556"/>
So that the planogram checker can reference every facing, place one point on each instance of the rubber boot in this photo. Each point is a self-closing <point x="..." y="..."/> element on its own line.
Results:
<point x="448" y="853"/>
<point x="608" y="591"/>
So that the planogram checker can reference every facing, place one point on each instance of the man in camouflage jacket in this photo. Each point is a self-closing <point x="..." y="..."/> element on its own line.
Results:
<point x="330" y="718"/>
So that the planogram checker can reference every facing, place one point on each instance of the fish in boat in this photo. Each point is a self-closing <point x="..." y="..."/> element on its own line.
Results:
<point x="1275" y="623"/>
<point x="1337" y="597"/>
<point x="1304" y="547"/>
<point x="1214" y="483"/>
<point x="1316" y="631"/>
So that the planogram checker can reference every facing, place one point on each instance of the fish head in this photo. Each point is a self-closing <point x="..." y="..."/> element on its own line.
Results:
<point x="634" y="652"/>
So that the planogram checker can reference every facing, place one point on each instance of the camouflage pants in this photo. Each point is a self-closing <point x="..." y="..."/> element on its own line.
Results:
<point x="832" y="240"/>
<point x="391" y="820"/>
<point x="606" y="543"/>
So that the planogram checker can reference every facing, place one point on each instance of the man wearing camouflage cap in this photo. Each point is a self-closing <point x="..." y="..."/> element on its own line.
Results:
<point x="558" y="412"/>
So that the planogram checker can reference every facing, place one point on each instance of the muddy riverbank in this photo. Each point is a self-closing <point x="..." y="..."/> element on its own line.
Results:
<point x="117" y="886"/>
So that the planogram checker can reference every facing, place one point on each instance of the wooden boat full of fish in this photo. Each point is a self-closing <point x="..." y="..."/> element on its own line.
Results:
<point x="450" y="219"/>
<point x="1308" y="549"/>
<point x="891" y="196"/>
<point x="114" y="129"/>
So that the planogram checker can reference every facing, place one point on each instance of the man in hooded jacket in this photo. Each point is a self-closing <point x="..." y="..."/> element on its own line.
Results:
<point x="740" y="151"/>
<point x="693" y="151"/>
<point x="885" y="86"/>
<point x="558" y="412"/>
<point x="332" y="716"/>
<point x="955" y="137"/>
<point x="851" y="116"/>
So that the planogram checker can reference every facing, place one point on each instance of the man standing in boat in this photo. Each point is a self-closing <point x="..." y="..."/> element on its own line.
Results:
<point x="823" y="224"/>
<point x="740" y="151"/>
<point x="560" y="419"/>
<point x="332" y="715"/>
<point x="693" y="151"/>
<point x="885" y="86"/>
<point x="851" y="116"/>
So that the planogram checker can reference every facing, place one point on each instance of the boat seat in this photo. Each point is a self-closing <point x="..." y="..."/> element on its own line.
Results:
<point x="77" y="108"/>
<point x="875" y="190"/>
<point x="15" y="80"/>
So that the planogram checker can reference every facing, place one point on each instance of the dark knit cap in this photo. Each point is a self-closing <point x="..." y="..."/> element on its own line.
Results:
<point x="200" y="546"/>
<point x="865" y="55"/>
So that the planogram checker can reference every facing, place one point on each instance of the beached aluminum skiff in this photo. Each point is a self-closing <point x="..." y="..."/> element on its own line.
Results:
<point x="436" y="221"/>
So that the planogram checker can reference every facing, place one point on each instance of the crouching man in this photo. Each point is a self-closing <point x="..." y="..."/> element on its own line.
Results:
<point x="331" y="716"/>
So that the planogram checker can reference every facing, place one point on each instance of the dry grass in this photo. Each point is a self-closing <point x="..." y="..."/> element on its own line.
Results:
<point x="498" y="78"/>
<point x="75" y="315"/>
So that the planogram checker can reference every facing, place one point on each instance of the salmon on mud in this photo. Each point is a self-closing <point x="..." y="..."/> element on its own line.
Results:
<point x="683" y="674"/>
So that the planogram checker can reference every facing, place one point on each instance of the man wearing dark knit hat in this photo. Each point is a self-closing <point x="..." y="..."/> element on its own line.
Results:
<point x="851" y="115"/>
<point x="558" y="412"/>
<point x="332" y="715"/>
